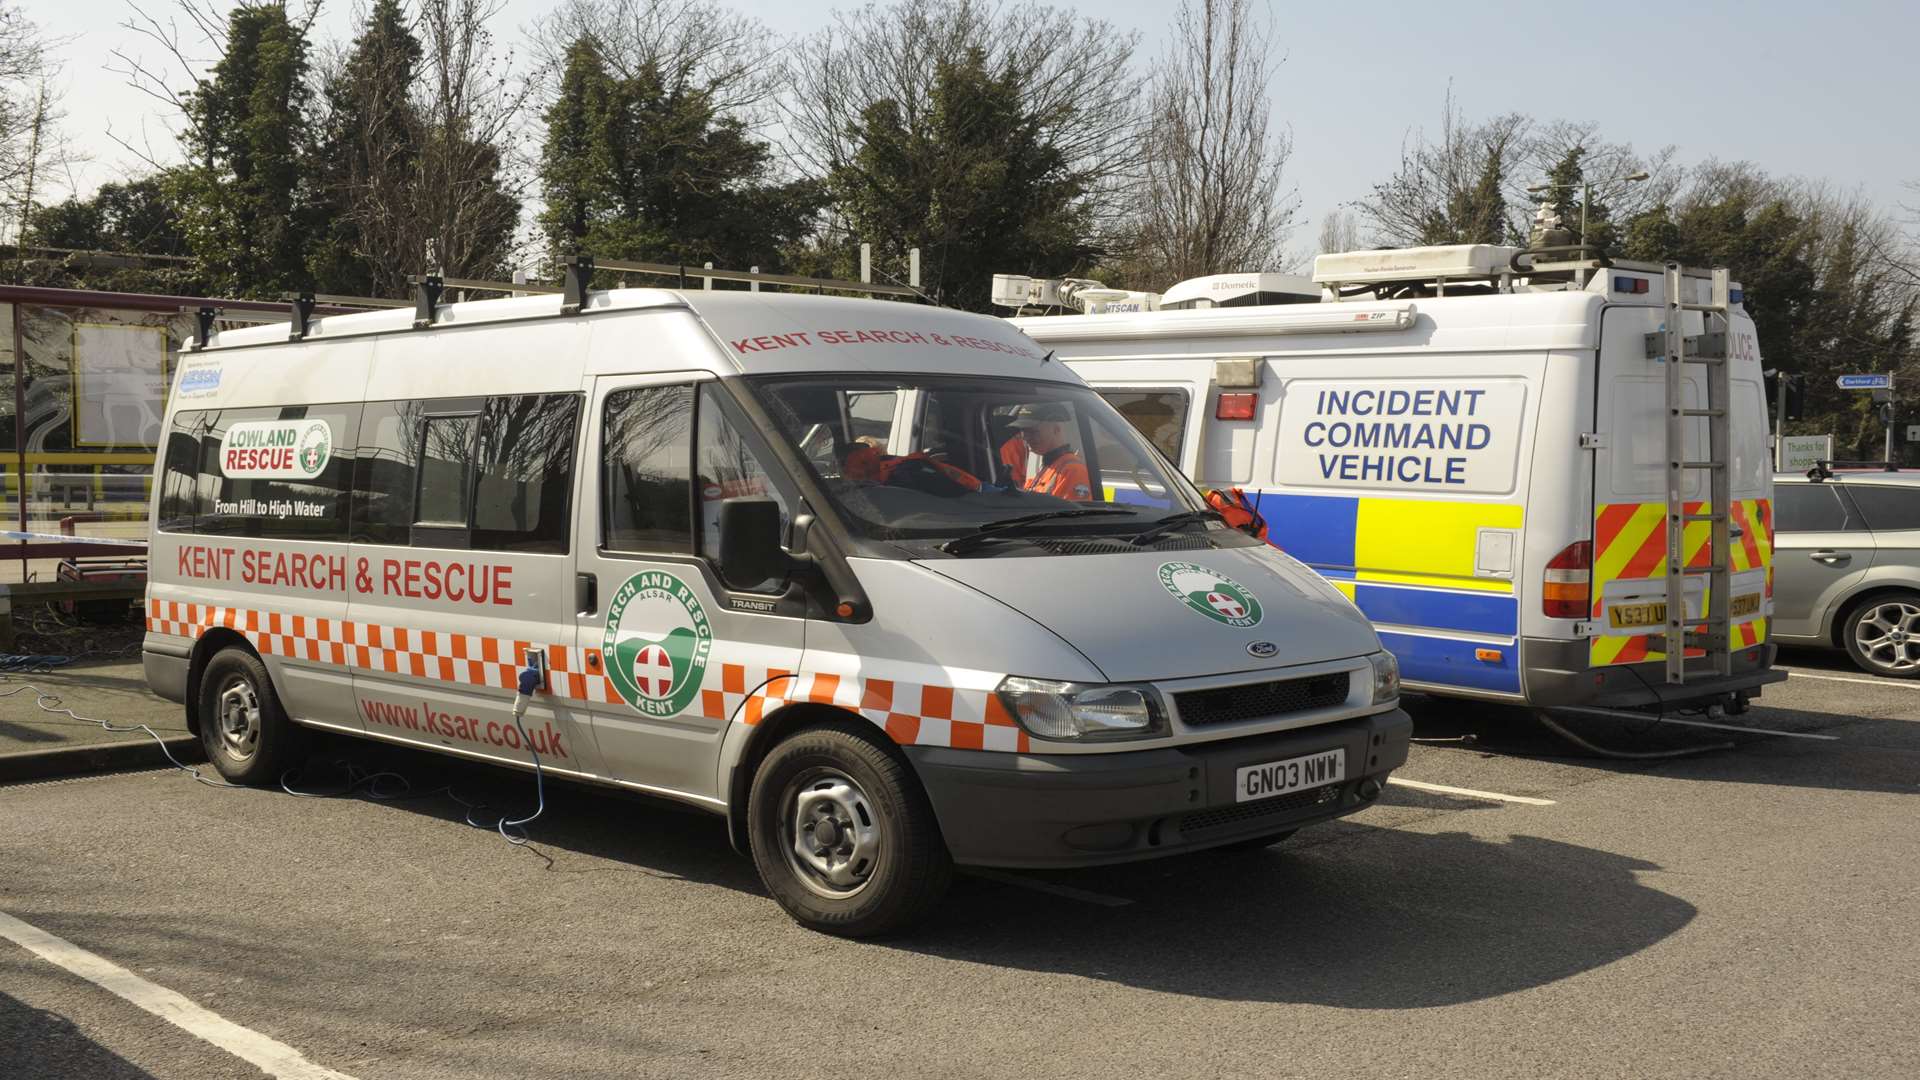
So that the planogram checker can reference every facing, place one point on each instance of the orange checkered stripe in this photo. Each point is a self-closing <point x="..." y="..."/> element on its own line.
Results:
<point x="912" y="714"/>
<point x="1630" y="543"/>
<point x="394" y="650"/>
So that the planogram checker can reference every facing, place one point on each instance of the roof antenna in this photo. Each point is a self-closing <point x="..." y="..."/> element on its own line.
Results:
<point x="1049" y="355"/>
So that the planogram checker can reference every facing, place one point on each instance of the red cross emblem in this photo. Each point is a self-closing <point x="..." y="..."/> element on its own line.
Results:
<point x="1225" y="605"/>
<point x="653" y="672"/>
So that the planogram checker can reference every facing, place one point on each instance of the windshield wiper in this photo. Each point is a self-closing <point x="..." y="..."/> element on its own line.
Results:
<point x="1167" y="524"/>
<point x="993" y="530"/>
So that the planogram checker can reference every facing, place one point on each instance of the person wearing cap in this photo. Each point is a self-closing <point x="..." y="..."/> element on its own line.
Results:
<point x="1061" y="474"/>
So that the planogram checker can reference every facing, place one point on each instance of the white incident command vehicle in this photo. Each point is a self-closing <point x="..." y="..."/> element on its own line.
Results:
<point x="843" y="571"/>
<point x="1474" y="447"/>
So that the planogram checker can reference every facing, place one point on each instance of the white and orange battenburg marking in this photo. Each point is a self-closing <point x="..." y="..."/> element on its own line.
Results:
<point x="1630" y="545"/>
<point x="912" y="713"/>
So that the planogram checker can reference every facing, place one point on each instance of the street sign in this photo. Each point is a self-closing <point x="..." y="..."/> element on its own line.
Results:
<point x="1865" y="382"/>
<point x="1799" y="452"/>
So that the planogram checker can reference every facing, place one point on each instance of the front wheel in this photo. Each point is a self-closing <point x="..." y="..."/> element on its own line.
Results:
<point x="1883" y="635"/>
<point x="245" y="732"/>
<point x="843" y="835"/>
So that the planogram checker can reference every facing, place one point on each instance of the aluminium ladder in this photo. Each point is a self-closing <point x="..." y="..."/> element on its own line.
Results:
<point x="1710" y="350"/>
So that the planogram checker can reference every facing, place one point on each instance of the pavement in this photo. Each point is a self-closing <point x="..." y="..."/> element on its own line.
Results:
<point x="38" y="738"/>
<point x="1746" y="912"/>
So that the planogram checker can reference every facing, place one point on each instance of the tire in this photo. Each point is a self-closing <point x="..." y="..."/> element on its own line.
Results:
<point x="244" y="730"/>
<point x="884" y="866"/>
<point x="1883" y="635"/>
<point x="1257" y="843"/>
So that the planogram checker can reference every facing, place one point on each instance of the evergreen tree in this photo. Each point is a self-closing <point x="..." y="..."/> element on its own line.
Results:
<point x="973" y="183"/>
<point x="649" y="168"/>
<point x="244" y="198"/>
<point x="131" y="218"/>
<point x="370" y="156"/>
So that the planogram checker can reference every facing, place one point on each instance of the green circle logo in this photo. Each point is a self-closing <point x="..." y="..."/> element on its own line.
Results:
<point x="657" y="644"/>
<point x="316" y="447"/>
<point x="1211" y="593"/>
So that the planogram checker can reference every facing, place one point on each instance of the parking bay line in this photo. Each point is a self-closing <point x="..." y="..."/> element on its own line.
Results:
<point x="270" y="1056"/>
<point x="1887" y="683"/>
<point x="1442" y="789"/>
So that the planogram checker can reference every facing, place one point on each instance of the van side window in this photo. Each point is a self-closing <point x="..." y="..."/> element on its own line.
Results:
<point x="646" y="489"/>
<point x="445" y="476"/>
<point x="180" y="475"/>
<point x="268" y="473"/>
<point x="383" y="479"/>
<point x="730" y="469"/>
<point x="1160" y="415"/>
<point x="525" y="483"/>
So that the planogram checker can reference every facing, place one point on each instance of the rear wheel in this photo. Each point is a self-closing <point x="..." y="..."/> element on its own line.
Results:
<point x="843" y="835"/>
<point x="1883" y="635"/>
<point x="245" y="732"/>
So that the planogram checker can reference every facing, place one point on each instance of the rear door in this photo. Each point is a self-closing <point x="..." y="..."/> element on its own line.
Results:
<point x="1629" y="486"/>
<point x="1822" y="551"/>
<point x="682" y="650"/>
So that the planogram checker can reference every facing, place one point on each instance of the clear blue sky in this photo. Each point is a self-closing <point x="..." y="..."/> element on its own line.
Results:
<point x="1818" y="90"/>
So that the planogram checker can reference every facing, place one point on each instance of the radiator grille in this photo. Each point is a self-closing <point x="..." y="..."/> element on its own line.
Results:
<point x="1253" y="701"/>
<point x="1240" y="814"/>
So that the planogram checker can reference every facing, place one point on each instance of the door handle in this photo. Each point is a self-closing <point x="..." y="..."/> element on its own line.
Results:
<point x="586" y="593"/>
<point x="1831" y="558"/>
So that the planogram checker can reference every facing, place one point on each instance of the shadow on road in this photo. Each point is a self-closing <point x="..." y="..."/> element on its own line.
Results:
<point x="38" y="1043"/>
<point x="1388" y="920"/>
<point x="1867" y="753"/>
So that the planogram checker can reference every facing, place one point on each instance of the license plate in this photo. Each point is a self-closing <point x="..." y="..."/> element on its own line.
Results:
<point x="1252" y="782"/>
<point x="1655" y="613"/>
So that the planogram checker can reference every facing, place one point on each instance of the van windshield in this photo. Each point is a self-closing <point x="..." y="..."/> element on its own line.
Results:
<point x="908" y="457"/>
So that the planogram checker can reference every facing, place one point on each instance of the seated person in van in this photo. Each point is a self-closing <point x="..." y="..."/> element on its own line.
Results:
<point x="1062" y="473"/>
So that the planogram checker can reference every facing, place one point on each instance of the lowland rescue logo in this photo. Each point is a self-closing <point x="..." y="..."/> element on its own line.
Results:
<point x="1211" y="593"/>
<point x="657" y="644"/>
<point x="276" y="450"/>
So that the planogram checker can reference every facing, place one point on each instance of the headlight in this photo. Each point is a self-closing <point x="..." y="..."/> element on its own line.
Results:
<point x="1080" y="712"/>
<point x="1386" y="677"/>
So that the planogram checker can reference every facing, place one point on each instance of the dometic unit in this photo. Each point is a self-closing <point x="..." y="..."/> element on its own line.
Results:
<point x="1543" y="482"/>
<point x="853" y="574"/>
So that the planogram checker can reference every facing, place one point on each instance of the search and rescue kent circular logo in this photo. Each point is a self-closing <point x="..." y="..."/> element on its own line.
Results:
<point x="316" y="447"/>
<point x="657" y="643"/>
<point x="1211" y="593"/>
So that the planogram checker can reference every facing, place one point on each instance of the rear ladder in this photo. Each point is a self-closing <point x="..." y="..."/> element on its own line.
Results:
<point x="1709" y="350"/>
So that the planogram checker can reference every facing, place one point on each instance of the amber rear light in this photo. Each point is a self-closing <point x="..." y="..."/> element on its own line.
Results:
<point x="1566" y="589"/>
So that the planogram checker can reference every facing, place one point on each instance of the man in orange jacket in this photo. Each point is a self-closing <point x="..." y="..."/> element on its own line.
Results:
<point x="1062" y="473"/>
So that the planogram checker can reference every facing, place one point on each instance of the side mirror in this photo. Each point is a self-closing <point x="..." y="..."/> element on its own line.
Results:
<point x="750" y="551"/>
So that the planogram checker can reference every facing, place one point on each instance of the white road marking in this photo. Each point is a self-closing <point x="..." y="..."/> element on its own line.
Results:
<point x="1037" y="885"/>
<point x="274" y="1058"/>
<point x="1420" y="785"/>
<point x="1889" y="684"/>
<point x="1751" y="730"/>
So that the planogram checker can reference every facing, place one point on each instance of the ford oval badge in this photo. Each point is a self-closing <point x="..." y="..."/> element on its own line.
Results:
<point x="1262" y="649"/>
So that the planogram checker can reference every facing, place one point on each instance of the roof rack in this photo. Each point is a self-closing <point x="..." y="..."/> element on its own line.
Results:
<point x="577" y="272"/>
<point x="1823" y="467"/>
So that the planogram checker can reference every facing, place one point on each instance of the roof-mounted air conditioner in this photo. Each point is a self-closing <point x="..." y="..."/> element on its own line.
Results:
<point x="1240" y="290"/>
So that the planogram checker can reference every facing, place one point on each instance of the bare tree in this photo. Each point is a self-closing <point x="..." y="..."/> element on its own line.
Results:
<point x="692" y="44"/>
<point x="1215" y="199"/>
<point x="1338" y="232"/>
<point x="1073" y="71"/>
<point x="1453" y="189"/>
<point x="31" y="148"/>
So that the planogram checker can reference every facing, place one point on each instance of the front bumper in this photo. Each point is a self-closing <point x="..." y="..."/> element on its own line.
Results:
<point x="1059" y="810"/>
<point x="1558" y="673"/>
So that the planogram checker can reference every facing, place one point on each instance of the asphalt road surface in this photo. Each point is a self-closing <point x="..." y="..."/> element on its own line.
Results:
<point x="1748" y="912"/>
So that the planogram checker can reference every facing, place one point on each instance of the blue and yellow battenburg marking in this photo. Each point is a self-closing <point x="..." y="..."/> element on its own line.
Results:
<point x="1408" y="564"/>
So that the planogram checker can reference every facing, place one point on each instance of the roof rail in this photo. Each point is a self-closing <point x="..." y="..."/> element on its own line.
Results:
<point x="684" y="272"/>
